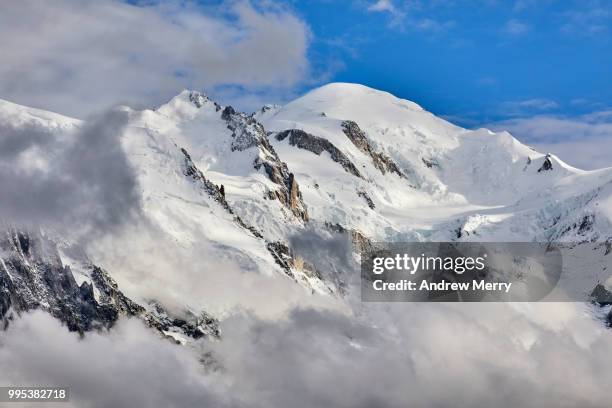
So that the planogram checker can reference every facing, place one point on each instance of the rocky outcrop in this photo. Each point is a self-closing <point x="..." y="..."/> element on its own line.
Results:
<point x="191" y="170"/>
<point x="360" y="243"/>
<point x="381" y="161"/>
<point x="602" y="297"/>
<point x="430" y="163"/>
<point x="247" y="133"/>
<point x="280" y="252"/>
<point x="282" y="256"/>
<point x="216" y="192"/>
<point x="32" y="276"/>
<point x="366" y="198"/>
<point x="318" y="145"/>
<point x="546" y="165"/>
<point x="187" y="324"/>
<point x="286" y="259"/>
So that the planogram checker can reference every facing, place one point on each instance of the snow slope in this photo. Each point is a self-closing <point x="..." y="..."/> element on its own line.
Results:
<point x="483" y="183"/>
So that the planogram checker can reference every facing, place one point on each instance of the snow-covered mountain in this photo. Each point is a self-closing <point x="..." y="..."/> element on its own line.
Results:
<point x="225" y="197"/>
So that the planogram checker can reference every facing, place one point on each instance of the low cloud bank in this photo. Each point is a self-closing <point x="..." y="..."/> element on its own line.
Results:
<point x="500" y="355"/>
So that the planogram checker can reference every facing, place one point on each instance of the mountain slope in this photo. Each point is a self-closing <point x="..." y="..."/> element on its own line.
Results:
<point x="450" y="174"/>
<point x="226" y="198"/>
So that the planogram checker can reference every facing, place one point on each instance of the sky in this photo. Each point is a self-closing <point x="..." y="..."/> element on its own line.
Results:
<point x="538" y="68"/>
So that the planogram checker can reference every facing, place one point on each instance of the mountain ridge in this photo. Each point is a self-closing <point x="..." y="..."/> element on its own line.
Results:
<point x="342" y="162"/>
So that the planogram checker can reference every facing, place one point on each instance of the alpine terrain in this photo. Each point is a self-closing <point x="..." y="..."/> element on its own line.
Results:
<point x="270" y="209"/>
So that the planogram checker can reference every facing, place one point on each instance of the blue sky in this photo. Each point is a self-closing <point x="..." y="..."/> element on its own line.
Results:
<point x="475" y="61"/>
<point x="538" y="68"/>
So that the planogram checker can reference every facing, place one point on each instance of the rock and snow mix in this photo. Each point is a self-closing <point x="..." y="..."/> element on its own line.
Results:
<point x="265" y="212"/>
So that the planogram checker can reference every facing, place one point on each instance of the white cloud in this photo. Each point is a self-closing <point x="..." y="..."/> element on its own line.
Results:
<point x="516" y="27"/>
<point x="391" y="355"/>
<point x="78" y="181"/>
<point x="382" y="5"/>
<point x="527" y="106"/>
<point x="590" y="18"/>
<point x="78" y="56"/>
<point x="127" y="367"/>
<point x="584" y="141"/>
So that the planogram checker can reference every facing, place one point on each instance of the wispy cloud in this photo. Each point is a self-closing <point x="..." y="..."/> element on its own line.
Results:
<point x="526" y="107"/>
<point x="382" y="5"/>
<point x="397" y="14"/>
<point x="588" y="18"/>
<point x="515" y="27"/>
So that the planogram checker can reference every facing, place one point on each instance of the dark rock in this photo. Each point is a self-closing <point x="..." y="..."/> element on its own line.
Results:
<point x="190" y="170"/>
<point x="188" y="323"/>
<point x="381" y="161"/>
<point x="429" y="163"/>
<point x="317" y="145"/>
<point x="359" y="241"/>
<point x="282" y="256"/>
<point x="586" y="224"/>
<point x="248" y="133"/>
<point x="197" y="99"/>
<point x="367" y="199"/>
<point x="601" y="295"/>
<point x="37" y="279"/>
<point x="227" y="113"/>
<point x="546" y="165"/>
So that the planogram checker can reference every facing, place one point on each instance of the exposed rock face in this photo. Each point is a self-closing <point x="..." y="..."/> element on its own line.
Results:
<point x="280" y="252"/>
<point x="216" y="192"/>
<point x="602" y="297"/>
<point x="190" y="170"/>
<point x="189" y="324"/>
<point x="317" y="145"/>
<point x="295" y="195"/>
<point x="547" y="165"/>
<point x="197" y="99"/>
<point x="32" y="276"/>
<point x="381" y="161"/>
<point x="360" y="242"/>
<point x="367" y="199"/>
<point x="429" y="163"/>
<point x="284" y="257"/>
<point x="248" y="133"/>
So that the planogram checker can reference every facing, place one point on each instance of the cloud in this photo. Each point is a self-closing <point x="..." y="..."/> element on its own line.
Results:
<point x="127" y="367"/>
<point x="591" y="18"/>
<point x="386" y="355"/>
<point x="149" y="263"/>
<point x="382" y="5"/>
<point x="515" y="27"/>
<point x="398" y="355"/>
<point x="583" y="141"/>
<point x="527" y="106"/>
<point x="78" y="181"/>
<point x="78" y="57"/>
<point x="397" y="14"/>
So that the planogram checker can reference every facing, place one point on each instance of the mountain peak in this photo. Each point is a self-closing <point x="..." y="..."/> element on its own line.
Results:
<point x="186" y="104"/>
<point x="338" y="91"/>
